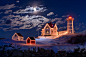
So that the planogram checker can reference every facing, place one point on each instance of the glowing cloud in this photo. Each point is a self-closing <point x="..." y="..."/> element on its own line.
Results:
<point x="22" y="22"/>
<point x="7" y="6"/>
<point x="29" y="9"/>
<point x="17" y="1"/>
<point x="51" y="13"/>
<point x="65" y="15"/>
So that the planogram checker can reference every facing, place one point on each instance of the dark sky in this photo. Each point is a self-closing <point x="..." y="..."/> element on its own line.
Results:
<point x="28" y="16"/>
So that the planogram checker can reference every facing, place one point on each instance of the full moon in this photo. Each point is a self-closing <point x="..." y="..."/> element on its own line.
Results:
<point x="35" y="9"/>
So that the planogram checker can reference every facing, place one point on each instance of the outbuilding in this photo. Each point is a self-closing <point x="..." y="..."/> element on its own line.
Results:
<point x="17" y="37"/>
<point x="30" y="40"/>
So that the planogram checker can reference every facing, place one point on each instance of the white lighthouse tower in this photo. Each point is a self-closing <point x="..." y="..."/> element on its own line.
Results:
<point x="70" y="28"/>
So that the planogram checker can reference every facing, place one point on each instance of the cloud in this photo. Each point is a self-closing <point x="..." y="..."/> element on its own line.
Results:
<point x="77" y="28"/>
<point x="8" y="11"/>
<point x="38" y="29"/>
<point x="65" y="15"/>
<point x="56" y="15"/>
<point x="84" y="31"/>
<point x="1" y="12"/>
<point x="80" y="28"/>
<point x="39" y="26"/>
<point x="29" y="9"/>
<point x="33" y="21"/>
<point x="80" y="24"/>
<point x="17" y="1"/>
<point x="52" y="20"/>
<point x="51" y="13"/>
<point x="10" y="29"/>
<point x="60" y="22"/>
<point x="40" y="5"/>
<point x="63" y="28"/>
<point x="23" y="22"/>
<point x="1" y="27"/>
<point x="11" y="20"/>
<point x="7" y="6"/>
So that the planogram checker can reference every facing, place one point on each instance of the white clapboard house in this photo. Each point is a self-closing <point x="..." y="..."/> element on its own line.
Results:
<point x="17" y="37"/>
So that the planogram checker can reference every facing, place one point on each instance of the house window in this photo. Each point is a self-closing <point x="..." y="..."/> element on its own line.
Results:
<point x="47" y="31"/>
<point x="47" y="27"/>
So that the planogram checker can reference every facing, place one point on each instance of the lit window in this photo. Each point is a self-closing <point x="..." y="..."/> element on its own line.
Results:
<point x="47" y="31"/>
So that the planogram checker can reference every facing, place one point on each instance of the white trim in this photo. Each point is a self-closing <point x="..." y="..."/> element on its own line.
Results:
<point x="27" y="39"/>
<point x="45" y="27"/>
<point x="17" y="36"/>
<point x="30" y="41"/>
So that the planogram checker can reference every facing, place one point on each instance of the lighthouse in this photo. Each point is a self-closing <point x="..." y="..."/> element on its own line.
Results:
<point x="70" y="28"/>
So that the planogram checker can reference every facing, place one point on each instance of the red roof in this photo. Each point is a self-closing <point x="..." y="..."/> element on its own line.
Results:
<point x="19" y="34"/>
<point x="50" y="24"/>
<point x="32" y="38"/>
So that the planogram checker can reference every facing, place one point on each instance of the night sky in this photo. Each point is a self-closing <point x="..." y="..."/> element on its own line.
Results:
<point x="28" y="16"/>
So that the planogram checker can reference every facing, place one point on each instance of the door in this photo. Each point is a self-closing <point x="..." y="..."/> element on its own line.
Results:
<point x="47" y="31"/>
<point x="28" y="41"/>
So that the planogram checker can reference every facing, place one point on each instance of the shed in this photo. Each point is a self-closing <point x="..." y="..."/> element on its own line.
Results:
<point x="30" y="40"/>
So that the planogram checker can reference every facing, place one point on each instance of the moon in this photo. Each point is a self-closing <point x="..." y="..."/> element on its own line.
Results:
<point x="34" y="9"/>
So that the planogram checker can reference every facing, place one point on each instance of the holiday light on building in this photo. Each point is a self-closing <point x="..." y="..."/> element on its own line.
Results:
<point x="70" y="28"/>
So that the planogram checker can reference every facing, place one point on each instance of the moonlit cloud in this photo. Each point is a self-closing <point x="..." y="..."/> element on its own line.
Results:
<point x="17" y="1"/>
<point x="63" y="28"/>
<point x="60" y="22"/>
<point x="29" y="9"/>
<point x="52" y="20"/>
<point x="1" y="27"/>
<point x="38" y="29"/>
<point x="10" y="29"/>
<point x="7" y="6"/>
<point x="77" y="28"/>
<point x="65" y="15"/>
<point x="33" y="21"/>
<point x="23" y="22"/>
<point x="56" y="15"/>
<point x="80" y="24"/>
<point x="40" y="5"/>
<point x="51" y="13"/>
<point x="8" y="11"/>
<point x="39" y="26"/>
<point x="1" y="12"/>
<point x="84" y="31"/>
<point x="80" y="28"/>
